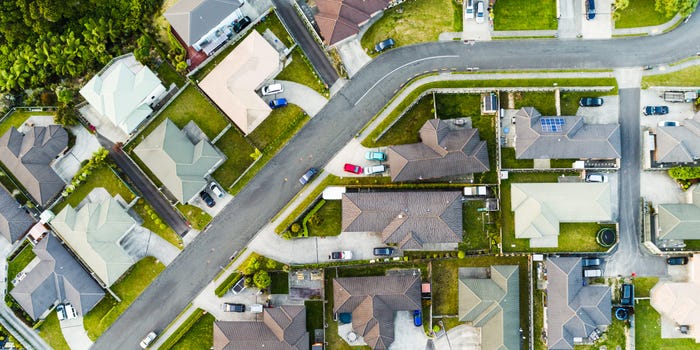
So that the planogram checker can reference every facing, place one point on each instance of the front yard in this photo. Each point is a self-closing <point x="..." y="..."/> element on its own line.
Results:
<point x="195" y="216"/>
<point x="301" y="71"/>
<point x="685" y="77"/>
<point x="199" y="336"/>
<point x="50" y="331"/>
<point x="525" y="15"/>
<point x="641" y="13"/>
<point x="647" y="328"/>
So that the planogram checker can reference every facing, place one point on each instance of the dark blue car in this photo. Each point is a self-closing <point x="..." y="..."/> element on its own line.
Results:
<point x="590" y="12"/>
<point x="278" y="103"/>
<point x="384" y="45"/>
<point x="417" y="318"/>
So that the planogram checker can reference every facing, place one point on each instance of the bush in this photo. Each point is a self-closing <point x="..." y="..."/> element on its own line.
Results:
<point x="262" y="279"/>
<point x="436" y="328"/>
<point x="295" y="228"/>
<point x="461" y="254"/>
<point x="684" y="173"/>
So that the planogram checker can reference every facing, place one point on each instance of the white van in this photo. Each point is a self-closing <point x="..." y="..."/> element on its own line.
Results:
<point x="71" y="313"/>
<point x="272" y="89"/>
<point x="469" y="9"/>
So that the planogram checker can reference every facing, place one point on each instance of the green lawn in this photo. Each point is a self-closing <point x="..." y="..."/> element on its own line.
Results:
<point x="538" y="313"/>
<point x="405" y="130"/>
<point x="314" y="317"/>
<point x="301" y="71"/>
<point x="238" y="152"/>
<point x="20" y="261"/>
<point x="50" y="331"/>
<point x="685" y="77"/>
<point x="275" y="126"/>
<point x="542" y="100"/>
<point x="450" y="106"/>
<point x="413" y="22"/>
<point x="475" y="228"/>
<point x="280" y="282"/>
<point x="561" y="163"/>
<point x="508" y="160"/>
<point x="525" y="15"/>
<point x="569" y="100"/>
<point x="641" y="13"/>
<point x="128" y="288"/>
<point x="199" y="336"/>
<point x="647" y="328"/>
<point x="612" y="338"/>
<point x="169" y="75"/>
<point x="18" y="118"/>
<point x="642" y="286"/>
<point x="327" y="221"/>
<point x="195" y="216"/>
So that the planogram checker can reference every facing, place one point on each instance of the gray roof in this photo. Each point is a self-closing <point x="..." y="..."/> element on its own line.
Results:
<point x="57" y="277"/>
<point x="443" y="152"/>
<point x="28" y="157"/>
<point x="191" y="19"/>
<point x="408" y="219"/>
<point x="14" y="221"/>
<point x="678" y="144"/>
<point x="680" y="220"/>
<point x="573" y="310"/>
<point x="575" y="139"/>
<point x="493" y="304"/>
<point x="372" y="302"/>
<point x="282" y="328"/>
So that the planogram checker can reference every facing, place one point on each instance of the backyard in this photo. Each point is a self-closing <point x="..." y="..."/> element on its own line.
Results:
<point x="128" y="288"/>
<point x="518" y="15"/>
<point x="647" y="326"/>
<point x="477" y="226"/>
<point x="19" y="262"/>
<point x="50" y="331"/>
<point x="314" y="317"/>
<point x="414" y="22"/>
<point x="641" y="13"/>
<point x="17" y="118"/>
<point x="280" y="282"/>
<point x="508" y="160"/>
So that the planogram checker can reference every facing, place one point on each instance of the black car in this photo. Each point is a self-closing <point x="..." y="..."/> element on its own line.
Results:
<point x="384" y="45"/>
<point x="207" y="199"/>
<point x="383" y="251"/>
<point x="241" y="24"/>
<point x="304" y="179"/>
<point x="655" y="110"/>
<point x="627" y="295"/>
<point x="232" y="307"/>
<point x="590" y="102"/>
<point x="677" y="260"/>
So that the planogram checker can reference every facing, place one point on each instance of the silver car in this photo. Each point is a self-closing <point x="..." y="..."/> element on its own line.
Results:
<point x="480" y="12"/>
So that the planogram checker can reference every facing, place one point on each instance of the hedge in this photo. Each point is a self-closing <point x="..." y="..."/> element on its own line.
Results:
<point x="227" y="284"/>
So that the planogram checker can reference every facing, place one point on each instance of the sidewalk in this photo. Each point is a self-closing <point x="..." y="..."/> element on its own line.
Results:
<point x="651" y="30"/>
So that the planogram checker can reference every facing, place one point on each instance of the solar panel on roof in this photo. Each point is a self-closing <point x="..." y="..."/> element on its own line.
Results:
<point x="553" y="124"/>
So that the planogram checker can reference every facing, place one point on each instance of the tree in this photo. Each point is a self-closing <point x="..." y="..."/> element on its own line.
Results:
<point x="66" y="115"/>
<point x="670" y="7"/>
<point x="618" y="6"/>
<point x="262" y="279"/>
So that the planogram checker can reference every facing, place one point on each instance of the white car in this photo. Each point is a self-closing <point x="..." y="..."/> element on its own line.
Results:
<point x="375" y="169"/>
<point x="148" y="340"/>
<point x="71" y="313"/>
<point x="596" y="178"/>
<point x="61" y="312"/>
<point x="469" y="9"/>
<point x="344" y="255"/>
<point x="272" y="89"/>
<point x="480" y="12"/>
<point x="216" y="190"/>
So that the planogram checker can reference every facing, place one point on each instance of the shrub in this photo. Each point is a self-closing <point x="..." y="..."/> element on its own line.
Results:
<point x="436" y="328"/>
<point x="295" y="228"/>
<point x="262" y="279"/>
<point x="461" y="254"/>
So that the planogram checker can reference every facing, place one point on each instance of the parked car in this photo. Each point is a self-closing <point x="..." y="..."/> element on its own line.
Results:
<point x="71" y="313"/>
<point x="655" y="110"/>
<point x="216" y="190"/>
<point x="384" y="45"/>
<point x="352" y="168"/>
<point x="278" y="103"/>
<point x="207" y="199"/>
<point x="378" y="156"/>
<point x="469" y="9"/>
<point x="148" y="339"/>
<point x="596" y="178"/>
<point x="308" y="176"/>
<point x="241" y="24"/>
<point x="592" y="272"/>
<point x="383" y="251"/>
<point x="272" y="89"/>
<point x="627" y="294"/>
<point x="590" y="9"/>
<point x="417" y="318"/>
<point x="590" y="102"/>
<point x="588" y="262"/>
<point x="343" y="255"/>
<point x="480" y="12"/>
<point x="677" y="260"/>
<point x="61" y="312"/>
<point x="376" y="169"/>
<point x="669" y="123"/>
<point x="233" y="307"/>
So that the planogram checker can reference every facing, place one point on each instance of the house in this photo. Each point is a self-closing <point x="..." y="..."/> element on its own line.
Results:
<point x="94" y="231"/>
<point x="122" y="92"/>
<point x="677" y="304"/>
<point x="192" y="21"/>
<point x="574" y="309"/>
<point x="29" y="156"/>
<point x="411" y="220"/>
<point x="372" y="303"/>
<point x="539" y="137"/>
<point x="492" y="304"/>
<point x="14" y="220"/>
<point x="444" y="151"/>
<point x="678" y="144"/>
<point x="179" y="162"/>
<point x="341" y="19"/>
<point x="540" y="207"/>
<point x="232" y="84"/>
<point x="679" y="221"/>
<point x="58" y="277"/>
<point x="282" y="327"/>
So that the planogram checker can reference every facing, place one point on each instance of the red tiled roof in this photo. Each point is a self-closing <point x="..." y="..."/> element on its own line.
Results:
<point x="339" y="19"/>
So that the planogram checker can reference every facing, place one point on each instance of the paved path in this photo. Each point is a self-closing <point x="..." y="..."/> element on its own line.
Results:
<point x="303" y="96"/>
<point x="353" y="106"/>
<point x="141" y="242"/>
<point x="298" y="30"/>
<point x="353" y="55"/>
<point x="75" y="334"/>
<point x="651" y="30"/>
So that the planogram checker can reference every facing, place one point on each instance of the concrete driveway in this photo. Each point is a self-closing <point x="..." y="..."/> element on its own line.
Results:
<point x="570" y="17"/>
<point x="657" y="187"/>
<point x="461" y="337"/>
<point x="75" y="334"/>
<point x="141" y="242"/>
<point x="85" y="145"/>
<point x="654" y="97"/>
<point x="406" y="335"/>
<point x="353" y="153"/>
<point x="301" y="95"/>
<point x="102" y="125"/>
<point x="476" y="31"/>
<point x="353" y="55"/>
<point x="220" y="202"/>
<point x="601" y="26"/>
<point x="608" y="113"/>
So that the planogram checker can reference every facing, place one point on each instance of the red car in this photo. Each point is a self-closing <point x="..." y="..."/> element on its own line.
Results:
<point x="351" y="168"/>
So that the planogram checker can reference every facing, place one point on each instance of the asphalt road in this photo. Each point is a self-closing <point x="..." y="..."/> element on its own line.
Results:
<point x="351" y="108"/>
<point x="301" y="35"/>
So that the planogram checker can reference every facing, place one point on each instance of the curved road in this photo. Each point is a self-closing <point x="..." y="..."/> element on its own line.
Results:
<point x="351" y="108"/>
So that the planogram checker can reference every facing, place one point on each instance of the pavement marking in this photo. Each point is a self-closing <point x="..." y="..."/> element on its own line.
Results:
<point x="400" y="67"/>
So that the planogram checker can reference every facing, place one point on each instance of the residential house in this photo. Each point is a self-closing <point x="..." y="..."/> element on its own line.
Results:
<point x="122" y="93"/>
<point x="677" y="304"/>
<point x="411" y="220"/>
<point x="679" y="221"/>
<point x="540" y="207"/>
<point x="492" y="304"/>
<point x="678" y="144"/>
<point x="282" y="328"/>
<point x="372" y="303"/>
<point x="341" y="19"/>
<point x="57" y="278"/>
<point x="575" y="310"/>
<point x="232" y="84"/>
<point x="196" y="22"/>
<point x="565" y="137"/>
<point x="94" y="231"/>
<point x="14" y="220"/>
<point x="28" y="156"/>
<point x="180" y="162"/>
<point x="445" y="151"/>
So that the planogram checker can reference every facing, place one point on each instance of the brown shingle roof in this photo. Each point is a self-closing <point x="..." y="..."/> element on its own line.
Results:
<point x="340" y="19"/>
<point x="443" y="152"/>
<point x="372" y="302"/>
<point x="282" y="328"/>
<point x="406" y="218"/>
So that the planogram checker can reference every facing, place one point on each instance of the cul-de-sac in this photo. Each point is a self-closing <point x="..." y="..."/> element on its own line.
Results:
<point x="350" y="174"/>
